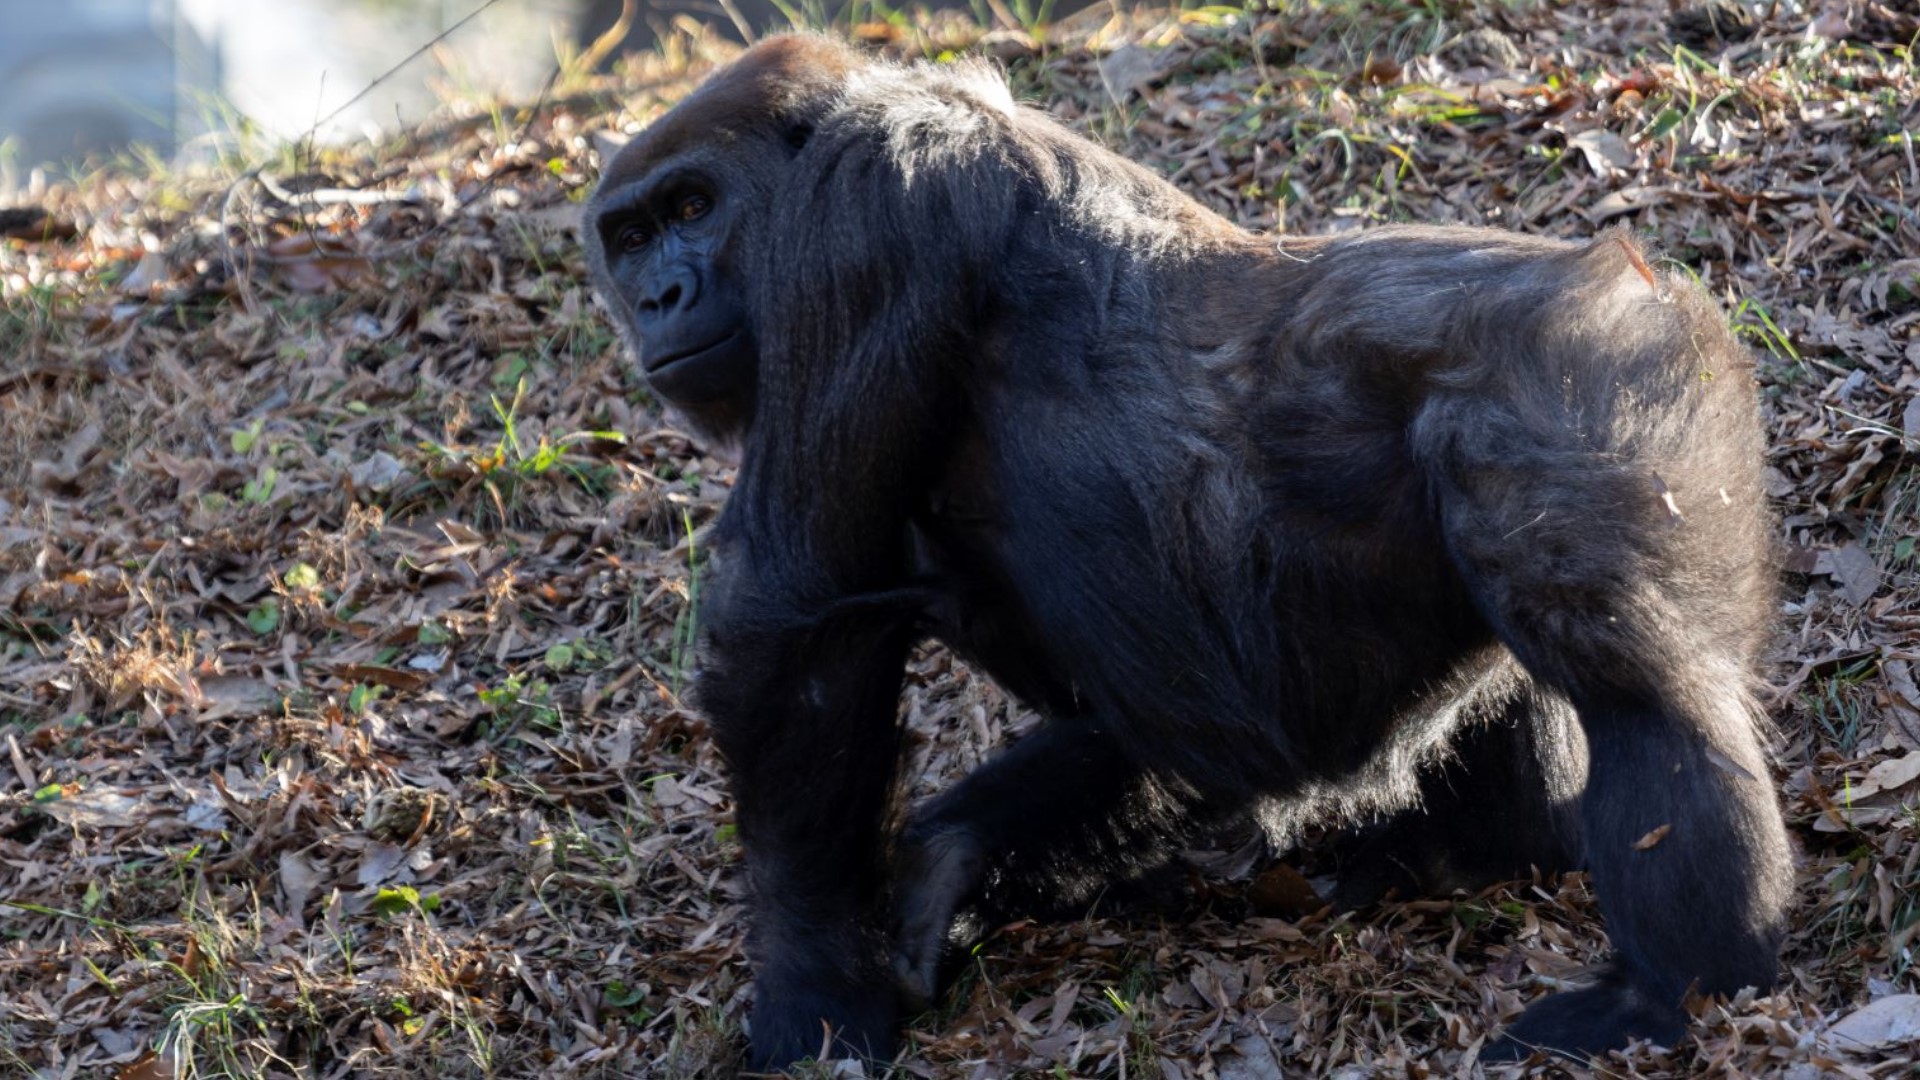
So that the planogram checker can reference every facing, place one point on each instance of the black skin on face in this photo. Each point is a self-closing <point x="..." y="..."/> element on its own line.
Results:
<point x="666" y="231"/>
<point x="1452" y="534"/>
<point x="662" y="236"/>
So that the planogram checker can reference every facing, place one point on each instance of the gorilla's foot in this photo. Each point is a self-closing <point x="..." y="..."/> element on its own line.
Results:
<point x="1586" y="1023"/>
<point x="938" y="872"/>
<point x="793" y="1021"/>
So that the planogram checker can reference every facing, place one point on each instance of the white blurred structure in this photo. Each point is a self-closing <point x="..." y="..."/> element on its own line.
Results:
<point x="289" y="64"/>
<point x="87" y="77"/>
<point x="81" y="79"/>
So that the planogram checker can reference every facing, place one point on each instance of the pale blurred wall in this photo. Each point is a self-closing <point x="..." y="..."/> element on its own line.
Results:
<point x="81" y="79"/>
<point x="86" y="77"/>
<point x="288" y="64"/>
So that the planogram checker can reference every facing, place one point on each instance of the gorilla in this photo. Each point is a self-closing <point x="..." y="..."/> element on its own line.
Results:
<point x="1452" y="534"/>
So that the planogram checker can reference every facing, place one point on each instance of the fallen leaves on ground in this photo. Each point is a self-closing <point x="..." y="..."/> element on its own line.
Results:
<point x="347" y="578"/>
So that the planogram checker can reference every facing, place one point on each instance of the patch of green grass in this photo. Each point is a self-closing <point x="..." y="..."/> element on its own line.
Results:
<point x="1752" y="321"/>
<point x="686" y="625"/>
<point x="518" y="700"/>
<point x="1840" y="701"/>
<point x="1894" y="522"/>
<point x="1842" y="923"/>
<point x="32" y="316"/>
<point x="514" y="460"/>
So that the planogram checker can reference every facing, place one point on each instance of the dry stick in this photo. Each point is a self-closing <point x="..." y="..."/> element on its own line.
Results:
<point x="395" y="69"/>
<point x="610" y="38"/>
<point x="733" y="13"/>
<point x="319" y="197"/>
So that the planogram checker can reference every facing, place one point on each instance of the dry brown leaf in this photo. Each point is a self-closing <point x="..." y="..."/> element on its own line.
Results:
<point x="1890" y="1020"/>
<point x="1653" y="837"/>
<point x="1853" y="569"/>
<point x="1605" y="152"/>
<point x="1889" y="775"/>
<point x="309" y="263"/>
<point x="299" y="878"/>
<point x="1282" y="890"/>
<point x="379" y="675"/>
<point x="153" y="1065"/>
<point x="225" y="696"/>
<point x="98" y="808"/>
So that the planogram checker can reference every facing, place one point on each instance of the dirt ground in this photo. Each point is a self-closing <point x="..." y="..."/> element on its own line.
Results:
<point x="347" y="574"/>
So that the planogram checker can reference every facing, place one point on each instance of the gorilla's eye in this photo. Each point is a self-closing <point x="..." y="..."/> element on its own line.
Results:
<point x="634" y="238"/>
<point x="694" y="207"/>
<point x="798" y="134"/>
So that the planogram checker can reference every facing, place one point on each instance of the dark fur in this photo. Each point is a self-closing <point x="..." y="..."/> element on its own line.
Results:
<point x="1339" y="530"/>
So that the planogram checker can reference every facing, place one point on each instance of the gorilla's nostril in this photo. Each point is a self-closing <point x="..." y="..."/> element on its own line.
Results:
<point x="664" y="302"/>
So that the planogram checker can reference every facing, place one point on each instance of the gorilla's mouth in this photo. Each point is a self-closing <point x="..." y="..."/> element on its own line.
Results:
<point x="659" y="365"/>
<point x="720" y="370"/>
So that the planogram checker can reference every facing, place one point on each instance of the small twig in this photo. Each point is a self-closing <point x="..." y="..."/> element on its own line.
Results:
<point x="740" y="22"/>
<point x="408" y="59"/>
<point x="319" y="197"/>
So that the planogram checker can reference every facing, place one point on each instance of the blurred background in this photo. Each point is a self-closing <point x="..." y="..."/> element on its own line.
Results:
<point x="87" y="81"/>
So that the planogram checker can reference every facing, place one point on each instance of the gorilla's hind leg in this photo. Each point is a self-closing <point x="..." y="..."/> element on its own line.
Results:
<point x="1624" y="565"/>
<point x="1040" y="830"/>
<point x="1504" y="802"/>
